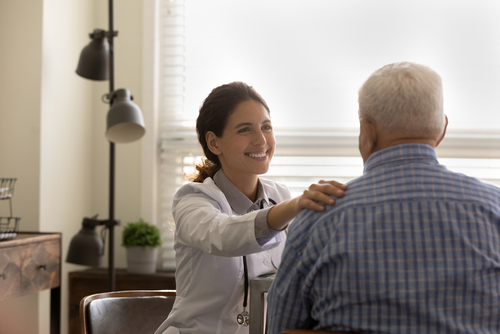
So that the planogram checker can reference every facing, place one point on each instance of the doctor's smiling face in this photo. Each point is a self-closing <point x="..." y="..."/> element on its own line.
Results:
<point x="247" y="144"/>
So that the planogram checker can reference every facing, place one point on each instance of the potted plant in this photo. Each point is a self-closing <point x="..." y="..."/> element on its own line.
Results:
<point x="141" y="241"/>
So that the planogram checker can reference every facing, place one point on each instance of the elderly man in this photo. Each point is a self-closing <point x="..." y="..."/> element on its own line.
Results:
<point x="412" y="247"/>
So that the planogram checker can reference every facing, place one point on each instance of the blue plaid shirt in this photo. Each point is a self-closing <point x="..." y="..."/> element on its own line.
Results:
<point x="410" y="248"/>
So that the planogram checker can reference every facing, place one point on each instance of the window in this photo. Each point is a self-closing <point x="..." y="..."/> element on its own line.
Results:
<point x="308" y="59"/>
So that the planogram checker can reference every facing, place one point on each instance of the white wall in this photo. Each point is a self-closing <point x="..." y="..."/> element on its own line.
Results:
<point x="66" y="133"/>
<point x="20" y="93"/>
<point x="52" y="130"/>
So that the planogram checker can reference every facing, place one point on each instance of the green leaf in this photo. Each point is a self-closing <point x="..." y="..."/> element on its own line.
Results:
<point x="142" y="234"/>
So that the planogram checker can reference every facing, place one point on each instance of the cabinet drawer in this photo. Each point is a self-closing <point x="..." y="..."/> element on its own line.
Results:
<point x="41" y="266"/>
<point x="10" y="273"/>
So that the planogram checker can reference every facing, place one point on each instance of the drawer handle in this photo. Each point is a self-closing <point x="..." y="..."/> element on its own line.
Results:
<point x="43" y="266"/>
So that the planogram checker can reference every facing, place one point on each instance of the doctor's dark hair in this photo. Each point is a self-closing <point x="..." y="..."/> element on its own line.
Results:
<point x="214" y="112"/>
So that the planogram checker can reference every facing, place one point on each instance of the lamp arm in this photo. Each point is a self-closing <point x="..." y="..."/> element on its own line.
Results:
<point x="100" y="222"/>
<point x="110" y="34"/>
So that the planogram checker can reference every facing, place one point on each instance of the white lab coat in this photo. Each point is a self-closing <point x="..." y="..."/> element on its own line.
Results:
<point x="210" y="240"/>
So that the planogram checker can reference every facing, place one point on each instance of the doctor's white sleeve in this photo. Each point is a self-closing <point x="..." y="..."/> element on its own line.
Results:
<point x="202" y="224"/>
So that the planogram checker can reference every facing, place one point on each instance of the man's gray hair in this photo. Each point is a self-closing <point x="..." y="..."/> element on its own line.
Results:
<point x="404" y="97"/>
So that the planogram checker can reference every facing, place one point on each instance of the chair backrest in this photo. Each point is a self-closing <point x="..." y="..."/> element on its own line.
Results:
<point x="305" y="331"/>
<point x="124" y="312"/>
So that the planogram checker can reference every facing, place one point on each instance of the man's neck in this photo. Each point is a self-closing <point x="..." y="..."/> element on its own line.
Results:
<point x="400" y="141"/>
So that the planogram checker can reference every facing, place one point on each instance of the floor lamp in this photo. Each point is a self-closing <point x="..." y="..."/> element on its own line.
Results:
<point x="124" y="124"/>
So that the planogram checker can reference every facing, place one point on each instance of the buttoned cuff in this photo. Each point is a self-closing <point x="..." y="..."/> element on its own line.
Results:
<point x="263" y="233"/>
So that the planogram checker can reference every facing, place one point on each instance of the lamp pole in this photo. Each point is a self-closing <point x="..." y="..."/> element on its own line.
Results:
<point x="97" y="63"/>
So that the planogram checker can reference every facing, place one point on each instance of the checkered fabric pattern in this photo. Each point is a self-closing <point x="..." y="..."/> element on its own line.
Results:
<point x="410" y="248"/>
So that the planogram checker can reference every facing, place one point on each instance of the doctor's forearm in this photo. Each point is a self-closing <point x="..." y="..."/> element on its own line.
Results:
<point x="282" y="214"/>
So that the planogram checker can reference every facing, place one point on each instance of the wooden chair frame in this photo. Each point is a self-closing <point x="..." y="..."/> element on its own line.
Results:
<point x="310" y="331"/>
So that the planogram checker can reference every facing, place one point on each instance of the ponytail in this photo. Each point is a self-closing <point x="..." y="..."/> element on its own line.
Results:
<point x="204" y="169"/>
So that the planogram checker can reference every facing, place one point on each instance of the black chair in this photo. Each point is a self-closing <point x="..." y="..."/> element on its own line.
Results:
<point x="125" y="312"/>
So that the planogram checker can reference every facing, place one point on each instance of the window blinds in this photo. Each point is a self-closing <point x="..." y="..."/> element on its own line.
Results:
<point x="308" y="59"/>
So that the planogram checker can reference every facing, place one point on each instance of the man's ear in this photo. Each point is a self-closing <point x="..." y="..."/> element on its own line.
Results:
<point x="368" y="137"/>
<point x="212" y="143"/>
<point x="444" y="131"/>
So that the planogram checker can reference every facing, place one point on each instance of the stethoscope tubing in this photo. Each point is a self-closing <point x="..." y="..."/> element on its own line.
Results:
<point x="245" y="266"/>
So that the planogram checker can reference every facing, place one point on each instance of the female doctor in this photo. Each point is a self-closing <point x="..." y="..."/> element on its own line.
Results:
<point x="228" y="221"/>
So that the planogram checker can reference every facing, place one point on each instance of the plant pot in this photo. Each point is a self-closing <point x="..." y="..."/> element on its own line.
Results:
<point x="141" y="260"/>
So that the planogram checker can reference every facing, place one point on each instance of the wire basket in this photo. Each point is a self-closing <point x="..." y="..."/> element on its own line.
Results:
<point x="8" y="225"/>
<point x="7" y="188"/>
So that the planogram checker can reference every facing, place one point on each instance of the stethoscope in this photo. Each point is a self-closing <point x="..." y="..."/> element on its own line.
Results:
<point x="244" y="318"/>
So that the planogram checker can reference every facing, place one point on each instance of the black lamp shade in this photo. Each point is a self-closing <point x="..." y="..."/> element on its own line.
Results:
<point x="86" y="248"/>
<point x="94" y="59"/>
<point x="125" y="123"/>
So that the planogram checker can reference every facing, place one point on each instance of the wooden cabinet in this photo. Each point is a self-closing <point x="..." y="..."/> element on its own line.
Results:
<point x="29" y="263"/>
<point x="10" y="272"/>
<point x="88" y="282"/>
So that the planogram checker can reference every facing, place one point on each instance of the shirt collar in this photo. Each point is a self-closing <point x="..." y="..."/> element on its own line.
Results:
<point x="239" y="202"/>
<point x="400" y="154"/>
